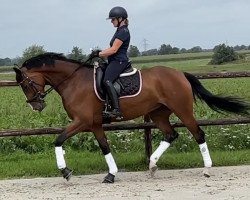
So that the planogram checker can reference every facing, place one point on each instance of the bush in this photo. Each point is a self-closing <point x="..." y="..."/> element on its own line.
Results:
<point x="223" y="54"/>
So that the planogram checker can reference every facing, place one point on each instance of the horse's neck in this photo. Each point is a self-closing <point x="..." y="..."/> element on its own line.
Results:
<point x="68" y="77"/>
<point x="57" y="74"/>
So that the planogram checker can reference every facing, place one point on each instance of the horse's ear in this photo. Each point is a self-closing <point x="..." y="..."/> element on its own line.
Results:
<point x="18" y="74"/>
<point x="18" y="71"/>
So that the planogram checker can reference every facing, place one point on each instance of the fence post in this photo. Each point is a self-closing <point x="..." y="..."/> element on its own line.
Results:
<point x="148" y="139"/>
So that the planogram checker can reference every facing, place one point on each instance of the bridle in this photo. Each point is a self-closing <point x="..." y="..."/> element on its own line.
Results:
<point x="38" y="95"/>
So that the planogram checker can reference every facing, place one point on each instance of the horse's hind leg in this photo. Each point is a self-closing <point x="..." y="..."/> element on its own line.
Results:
<point x="160" y="117"/>
<point x="199" y="136"/>
<point x="191" y="124"/>
<point x="102" y="140"/>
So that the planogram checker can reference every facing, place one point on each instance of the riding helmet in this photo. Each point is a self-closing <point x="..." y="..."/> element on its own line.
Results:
<point x="117" y="12"/>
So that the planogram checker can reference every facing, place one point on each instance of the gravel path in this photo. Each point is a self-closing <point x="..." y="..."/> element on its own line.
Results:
<point x="225" y="183"/>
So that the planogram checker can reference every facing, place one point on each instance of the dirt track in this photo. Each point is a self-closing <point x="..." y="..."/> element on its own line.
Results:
<point x="227" y="183"/>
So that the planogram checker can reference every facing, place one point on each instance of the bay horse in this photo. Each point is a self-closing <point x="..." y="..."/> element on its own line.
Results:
<point x="164" y="91"/>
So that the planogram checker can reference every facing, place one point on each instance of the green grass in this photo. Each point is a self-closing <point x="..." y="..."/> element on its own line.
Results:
<point x="23" y="165"/>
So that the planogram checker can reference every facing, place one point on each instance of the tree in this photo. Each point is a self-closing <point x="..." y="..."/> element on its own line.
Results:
<point x="165" y="49"/>
<point x="183" y="50"/>
<point x="223" y="54"/>
<point x="195" y="49"/>
<point x="149" y="52"/>
<point x="175" y="50"/>
<point x="241" y="47"/>
<point x="76" y="54"/>
<point x="32" y="51"/>
<point x="133" y="51"/>
<point x="5" y="62"/>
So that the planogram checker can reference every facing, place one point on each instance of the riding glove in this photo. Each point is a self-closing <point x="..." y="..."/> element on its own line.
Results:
<point x="95" y="53"/>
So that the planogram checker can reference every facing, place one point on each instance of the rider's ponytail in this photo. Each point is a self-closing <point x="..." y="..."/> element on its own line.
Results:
<point x="126" y="21"/>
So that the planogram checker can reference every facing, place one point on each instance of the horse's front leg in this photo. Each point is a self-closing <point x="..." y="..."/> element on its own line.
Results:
<point x="102" y="140"/>
<point x="71" y="130"/>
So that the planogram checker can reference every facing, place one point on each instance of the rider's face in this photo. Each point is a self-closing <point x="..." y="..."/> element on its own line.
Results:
<point x="114" y="21"/>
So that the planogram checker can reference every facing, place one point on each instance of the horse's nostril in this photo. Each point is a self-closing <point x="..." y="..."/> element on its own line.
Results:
<point x="41" y="106"/>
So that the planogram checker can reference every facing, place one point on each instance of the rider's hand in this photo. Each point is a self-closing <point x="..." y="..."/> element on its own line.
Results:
<point x="95" y="53"/>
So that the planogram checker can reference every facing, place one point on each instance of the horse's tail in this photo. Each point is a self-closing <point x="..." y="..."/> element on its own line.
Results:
<point x="217" y="103"/>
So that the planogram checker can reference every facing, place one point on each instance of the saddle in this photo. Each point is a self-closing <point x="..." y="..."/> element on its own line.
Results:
<point x="127" y="85"/>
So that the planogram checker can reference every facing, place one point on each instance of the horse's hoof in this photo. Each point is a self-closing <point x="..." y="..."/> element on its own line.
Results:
<point x="67" y="173"/>
<point x="152" y="168"/>
<point x="110" y="178"/>
<point x="153" y="171"/>
<point x="206" y="172"/>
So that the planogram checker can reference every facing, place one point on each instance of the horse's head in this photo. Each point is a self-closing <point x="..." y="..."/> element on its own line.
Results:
<point x="37" y="71"/>
<point x="32" y="84"/>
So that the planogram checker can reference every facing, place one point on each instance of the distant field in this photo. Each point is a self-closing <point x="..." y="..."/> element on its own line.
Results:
<point x="178" y="57"/>
<point x="4" y="69"/>
<point x="7" y="76"/>
<point x="197" y="65"/>
<point x="191" y="62"/>
<point x="172" y="57"/>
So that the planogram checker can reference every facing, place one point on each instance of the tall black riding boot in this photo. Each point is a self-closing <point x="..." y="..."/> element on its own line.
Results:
<point x="116" y="113"/>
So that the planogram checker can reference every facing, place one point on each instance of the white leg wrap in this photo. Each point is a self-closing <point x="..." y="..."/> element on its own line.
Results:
<point x="111" y="164"/>
<point x="159" y="151"/>
<point x="60" y="158"/>
<point x="205" y="155"/>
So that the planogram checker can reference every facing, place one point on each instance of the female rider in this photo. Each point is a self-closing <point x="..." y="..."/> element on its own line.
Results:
<point x="117" y="56"/>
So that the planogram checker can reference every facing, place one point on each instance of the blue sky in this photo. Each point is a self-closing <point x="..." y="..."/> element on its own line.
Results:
<point x="58" y="25"/>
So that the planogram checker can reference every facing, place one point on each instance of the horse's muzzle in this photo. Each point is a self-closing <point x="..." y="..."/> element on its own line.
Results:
<point x="38" y="106"/>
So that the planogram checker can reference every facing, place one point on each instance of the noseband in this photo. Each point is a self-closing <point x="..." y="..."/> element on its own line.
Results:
<point x="38" y="96"/>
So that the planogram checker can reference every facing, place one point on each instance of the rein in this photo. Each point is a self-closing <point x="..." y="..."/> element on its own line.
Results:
<point x="52" y="88"/>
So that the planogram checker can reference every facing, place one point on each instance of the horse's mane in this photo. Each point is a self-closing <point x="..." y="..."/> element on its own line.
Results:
<point x="49" y="59"/>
